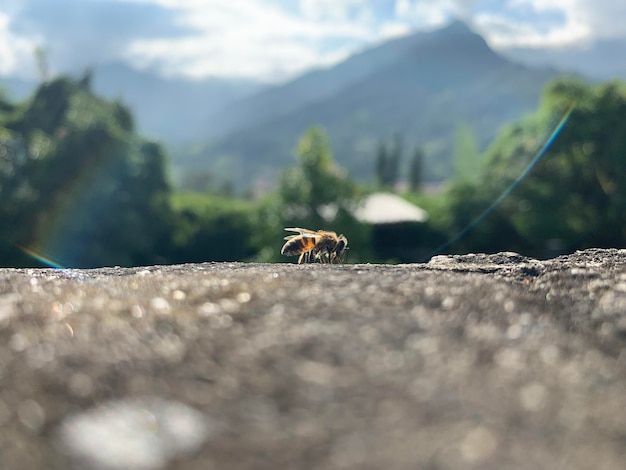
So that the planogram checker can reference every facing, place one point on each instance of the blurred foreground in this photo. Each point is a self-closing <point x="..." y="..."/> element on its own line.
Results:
<point x="467" y="362"/>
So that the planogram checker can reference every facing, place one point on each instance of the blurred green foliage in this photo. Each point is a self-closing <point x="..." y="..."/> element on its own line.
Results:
<point x="388" y="160"/>
<point x="78" y="185"/>
<point x="574" y="198"/>
<point x="315" y="194"/>
<point x="416" y="170"/>
<point x="467" y="159"/>
<point x="210" y="228"/>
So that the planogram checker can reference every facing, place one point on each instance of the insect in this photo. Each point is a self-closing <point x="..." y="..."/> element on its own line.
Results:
<point x="313" y="246"/>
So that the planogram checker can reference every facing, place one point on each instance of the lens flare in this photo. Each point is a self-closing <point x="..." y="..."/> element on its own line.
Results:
<point x="40" y="257"/>
<point x="542" y="151"/>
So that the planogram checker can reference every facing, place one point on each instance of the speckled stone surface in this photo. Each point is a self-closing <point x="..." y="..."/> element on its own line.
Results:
<point x="466" y="362"/>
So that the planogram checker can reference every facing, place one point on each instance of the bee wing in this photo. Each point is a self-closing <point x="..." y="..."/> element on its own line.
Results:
<point x="301" y="231"/>
<point x="303" y="235"/>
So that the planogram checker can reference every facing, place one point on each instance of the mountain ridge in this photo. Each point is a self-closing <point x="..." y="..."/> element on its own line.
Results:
<point x="169" y="109"/>
<point x="354" y="67"/>
<point x="601" y="60"/>
<point x="449" y="75"/>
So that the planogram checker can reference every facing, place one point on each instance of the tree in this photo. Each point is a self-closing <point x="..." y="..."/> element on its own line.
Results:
<point x="310" y="189"/>
<point x="416" y="169"/>
<point x="395" y="159"/>
<point x="77" y="185"/>
<point x="381" y="164"/>
<point x="575" y="195"/>
<point x="388" y="162"/>
<point x="583" y="177"/>
<point x="210" y="228"/>
<point x="315" y="194"/>
<point x="467" y="158"/>
<point x="41" y="57"/>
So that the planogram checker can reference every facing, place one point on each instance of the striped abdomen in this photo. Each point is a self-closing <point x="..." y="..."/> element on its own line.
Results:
<point x="298" y="245"/>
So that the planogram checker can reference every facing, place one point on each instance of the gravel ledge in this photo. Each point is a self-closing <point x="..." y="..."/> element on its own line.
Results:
<point x="466" y="362"/>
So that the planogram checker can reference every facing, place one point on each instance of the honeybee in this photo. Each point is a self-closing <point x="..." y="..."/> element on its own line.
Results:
<point x="313" y="246"/>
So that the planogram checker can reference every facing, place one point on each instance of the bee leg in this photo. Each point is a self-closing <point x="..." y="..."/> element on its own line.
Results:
<point x="301" y="258"/>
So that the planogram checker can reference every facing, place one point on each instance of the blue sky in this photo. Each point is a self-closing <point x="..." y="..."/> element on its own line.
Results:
<point x="272" y="40"/>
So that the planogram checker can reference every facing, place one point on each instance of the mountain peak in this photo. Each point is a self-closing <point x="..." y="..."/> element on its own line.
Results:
<point x="457" y="27"/>
<point x="456" y="30"/>
<point x="456" y="34"/>
<point x="456" y="41"/>
<point x="421" y="86"/>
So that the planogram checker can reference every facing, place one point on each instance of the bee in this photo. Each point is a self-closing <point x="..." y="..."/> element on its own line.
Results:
<point x="313" y="246"/>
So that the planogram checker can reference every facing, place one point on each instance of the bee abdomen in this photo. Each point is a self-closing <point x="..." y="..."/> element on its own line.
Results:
<point x="290" y="249"/>
<point x="297" y="246"/>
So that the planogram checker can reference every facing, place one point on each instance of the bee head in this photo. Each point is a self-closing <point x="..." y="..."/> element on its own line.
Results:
<point x="342" y="246"/>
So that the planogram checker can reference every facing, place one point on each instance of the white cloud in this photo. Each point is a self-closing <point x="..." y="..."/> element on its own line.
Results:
<point x="337" y="9"/>
<point x="506" y="30"/>
<point x="248" y="39"/>
<point x="531" y="23"/>
<point x="425" y="13"/>
<point x="601" y="19"/>
<point x="403" y="8"/>
<point x="275" y="39"/>
<point x="583" y="22"/>
<point x="433" y="13"/>
<point x="393" y="29"/>
<point x="503" y="33"/>
<point x="17" y="54"/>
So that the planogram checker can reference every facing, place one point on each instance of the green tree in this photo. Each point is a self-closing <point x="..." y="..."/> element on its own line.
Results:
<point x="416" y="170"/>
<point x="575" y="196"/>
<point x="395" y="159"/>
<point x="467" y="157"/>
<point x="583" y="177"/>
<point x="41" y="57"/>
<point x="210" y="228"/>
<point x="459" y="217"/>
<point x="77" y="185"/>
<point x="388" y="160"/>
<point x="315" y="194"/>
<point x="309" y="189"/>
<point x="381" y="164"/>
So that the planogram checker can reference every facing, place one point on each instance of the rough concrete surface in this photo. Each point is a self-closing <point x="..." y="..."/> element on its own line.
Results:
<point x="465" y="362"/>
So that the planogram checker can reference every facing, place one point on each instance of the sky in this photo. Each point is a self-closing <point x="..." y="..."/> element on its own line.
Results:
<point x="271" y="40"/>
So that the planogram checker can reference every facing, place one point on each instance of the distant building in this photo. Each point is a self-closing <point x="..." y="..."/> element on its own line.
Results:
<point x="387" y="208"/>
<point x="397" y="227"/>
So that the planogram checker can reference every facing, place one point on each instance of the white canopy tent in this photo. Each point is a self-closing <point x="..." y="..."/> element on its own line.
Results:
<point x="387" y="208"/>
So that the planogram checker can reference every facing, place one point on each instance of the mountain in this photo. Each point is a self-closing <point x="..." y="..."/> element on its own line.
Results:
<point x="170" y="109"/>
<point x="421" y="87"/>
<point x="601" y="60"/>
<point x="310" y="87"/>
